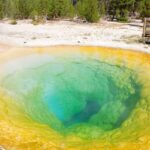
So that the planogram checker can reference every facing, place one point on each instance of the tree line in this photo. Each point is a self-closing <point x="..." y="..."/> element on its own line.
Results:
<point x="90" y="10"/>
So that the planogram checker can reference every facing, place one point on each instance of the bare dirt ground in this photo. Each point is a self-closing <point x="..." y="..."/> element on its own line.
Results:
<point x="104" y="33"/>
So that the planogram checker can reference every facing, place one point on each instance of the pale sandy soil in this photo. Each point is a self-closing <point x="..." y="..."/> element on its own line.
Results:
<point x="104" y="33"/>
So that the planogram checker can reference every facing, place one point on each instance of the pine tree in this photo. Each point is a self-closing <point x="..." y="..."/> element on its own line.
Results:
<point x="42" y="7"/>
<point x="102" y="7"/>
<point x="11" y="9"/>
<point x="1" y="9"/>
<point x="88" y="9"/>
<point x="91" y="10"/>
<point x="24" y="9"/>
<point x="66" y="8"/>
<point x="145" y="8"/>
<point x="60" y="8"/>
<point x="121" y="9"/>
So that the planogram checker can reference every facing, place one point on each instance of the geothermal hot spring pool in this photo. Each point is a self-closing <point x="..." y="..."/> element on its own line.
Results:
<point x="74" y="98"/>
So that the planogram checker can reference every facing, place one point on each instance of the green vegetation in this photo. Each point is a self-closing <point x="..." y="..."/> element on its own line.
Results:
<point x="145" y="8"/>
<point x="120" y="10"/>
<point x="1" y="9"/>
<point x="90" y="10"/>
<point x="13" y="22"/>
